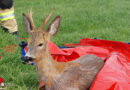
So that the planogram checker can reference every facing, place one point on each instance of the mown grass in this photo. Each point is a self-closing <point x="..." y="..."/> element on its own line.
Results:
<point x="104" y="19"/>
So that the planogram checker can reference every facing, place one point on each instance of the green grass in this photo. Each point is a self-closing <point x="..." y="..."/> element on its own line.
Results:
<point x="104" y="19"/>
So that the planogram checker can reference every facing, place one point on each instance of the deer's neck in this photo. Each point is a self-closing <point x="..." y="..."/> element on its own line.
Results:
<point x="47" y="68"/>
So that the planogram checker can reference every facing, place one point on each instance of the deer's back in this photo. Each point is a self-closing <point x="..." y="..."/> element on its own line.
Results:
<point x="80" y="74"/>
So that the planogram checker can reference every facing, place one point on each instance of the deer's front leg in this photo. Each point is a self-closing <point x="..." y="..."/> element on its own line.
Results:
<point x="41" y="86"/>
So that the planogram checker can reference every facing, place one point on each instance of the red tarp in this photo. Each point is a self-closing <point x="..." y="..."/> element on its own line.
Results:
<point x="115" y="75"/>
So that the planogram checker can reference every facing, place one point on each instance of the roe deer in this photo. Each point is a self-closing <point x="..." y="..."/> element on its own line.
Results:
<point x="73" y="75"/>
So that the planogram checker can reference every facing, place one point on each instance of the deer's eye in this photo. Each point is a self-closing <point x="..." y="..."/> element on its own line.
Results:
<point x="41" y="44"/>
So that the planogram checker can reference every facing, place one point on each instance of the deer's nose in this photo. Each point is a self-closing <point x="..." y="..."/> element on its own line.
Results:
<point x="27" y="59"/>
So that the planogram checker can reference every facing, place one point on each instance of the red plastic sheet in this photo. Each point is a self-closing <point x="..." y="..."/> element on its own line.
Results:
<point x="115" y="75"/>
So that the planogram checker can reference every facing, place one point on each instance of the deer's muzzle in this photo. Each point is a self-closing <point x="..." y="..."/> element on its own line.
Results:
<point x="27" y="59"/>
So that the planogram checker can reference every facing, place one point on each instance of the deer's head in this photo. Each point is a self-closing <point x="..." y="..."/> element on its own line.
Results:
<point x="37" y="43"/>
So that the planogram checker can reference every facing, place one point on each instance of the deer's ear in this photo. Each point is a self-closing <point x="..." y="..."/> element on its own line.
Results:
<point x="26" y="24"/>
<point x="53" y="26"/>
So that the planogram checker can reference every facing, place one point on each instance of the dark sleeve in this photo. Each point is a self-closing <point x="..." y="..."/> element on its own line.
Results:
<point x="6" y="4"/>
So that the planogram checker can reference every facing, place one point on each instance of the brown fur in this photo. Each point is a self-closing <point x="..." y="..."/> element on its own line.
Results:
<point x="73" y="75"/>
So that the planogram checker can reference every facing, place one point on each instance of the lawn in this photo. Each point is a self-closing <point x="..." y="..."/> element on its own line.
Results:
<point x="104" y="19"/>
